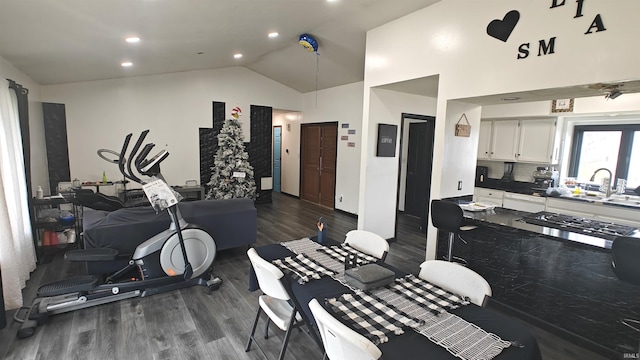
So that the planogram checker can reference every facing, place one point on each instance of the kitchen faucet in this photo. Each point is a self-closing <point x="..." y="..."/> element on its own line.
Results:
<point x="608" y="188"/>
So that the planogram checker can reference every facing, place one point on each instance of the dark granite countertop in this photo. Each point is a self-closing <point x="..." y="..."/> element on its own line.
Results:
<point x="519" y="187"/>
<point x="513" y="219"/>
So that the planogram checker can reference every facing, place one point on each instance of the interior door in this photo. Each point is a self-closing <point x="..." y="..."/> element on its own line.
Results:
<point x="417" y="145"/>
<point x="415" y="196"/>
<point x="418" y="186"/>
<point x="277" y="148"/>
<point x="310" y="167"/>
<point x="329" y="139"/>
<point x="318" y="163"/>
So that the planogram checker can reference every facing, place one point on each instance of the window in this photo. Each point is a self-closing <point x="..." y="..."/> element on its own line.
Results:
<point x="614" y="147"/>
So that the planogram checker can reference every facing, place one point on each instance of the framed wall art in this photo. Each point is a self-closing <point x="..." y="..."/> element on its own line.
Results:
<point x="562" y="105"/>
<point x="387" y="135"/>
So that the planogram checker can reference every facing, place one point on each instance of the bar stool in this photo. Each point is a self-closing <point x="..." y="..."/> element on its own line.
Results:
<point x="448" y="216"/>
<point x="625" y="252"/>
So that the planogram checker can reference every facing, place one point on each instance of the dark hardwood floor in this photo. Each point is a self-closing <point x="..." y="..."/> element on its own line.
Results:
<point x="195" y="324"/>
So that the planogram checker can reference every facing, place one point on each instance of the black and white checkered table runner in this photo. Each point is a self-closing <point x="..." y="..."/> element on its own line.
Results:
<point x="371" y="317"/>
<point x="340" y="252"/>
<point x="462" y="339"/>
<point x="433" y="297"/>
<point x="302" y="268"/>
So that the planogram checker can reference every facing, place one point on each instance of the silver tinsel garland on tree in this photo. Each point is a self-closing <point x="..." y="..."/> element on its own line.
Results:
<point x="231" y="173"/>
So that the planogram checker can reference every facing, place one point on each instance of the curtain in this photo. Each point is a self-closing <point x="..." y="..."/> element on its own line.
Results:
<point x="17" y="252"/>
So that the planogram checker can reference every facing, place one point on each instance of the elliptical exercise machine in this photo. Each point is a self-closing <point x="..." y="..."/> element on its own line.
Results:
<point x="176" y="258"/>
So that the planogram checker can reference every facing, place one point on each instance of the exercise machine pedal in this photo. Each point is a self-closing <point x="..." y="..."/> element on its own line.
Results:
<point x="76" y="284"/>
<point x="214" y="284"/>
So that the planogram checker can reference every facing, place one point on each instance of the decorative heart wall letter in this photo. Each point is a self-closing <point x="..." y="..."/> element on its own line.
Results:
<point x="501" y="29"/>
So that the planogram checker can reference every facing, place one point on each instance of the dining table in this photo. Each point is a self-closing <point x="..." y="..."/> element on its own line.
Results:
<point x="410" y="344"/>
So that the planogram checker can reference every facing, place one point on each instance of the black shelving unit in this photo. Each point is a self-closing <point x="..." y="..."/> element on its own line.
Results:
<point x="40" y="224"/>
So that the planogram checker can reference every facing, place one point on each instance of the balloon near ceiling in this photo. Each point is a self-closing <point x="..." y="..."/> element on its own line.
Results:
<point x="309" y="42"/>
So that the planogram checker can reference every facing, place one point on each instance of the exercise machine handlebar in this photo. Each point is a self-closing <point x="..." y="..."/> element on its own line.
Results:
<point x="135" y="149"/>
<point x="148" y="167"/>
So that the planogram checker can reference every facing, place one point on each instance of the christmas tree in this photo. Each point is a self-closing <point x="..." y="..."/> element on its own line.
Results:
<point x="231" y="173"/>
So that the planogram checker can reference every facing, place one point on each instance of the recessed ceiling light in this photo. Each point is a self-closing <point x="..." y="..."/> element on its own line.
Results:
<point x="126" y="64"/>
<point x="133" y="39"/>
<point x="511" y="98"/>
<point x="332" y="0"/>
<point x="274" y="34"/>
<point x="237" y="56"/>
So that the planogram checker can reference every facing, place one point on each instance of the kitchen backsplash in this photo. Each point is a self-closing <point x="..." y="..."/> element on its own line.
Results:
<point x="521" y="171"/>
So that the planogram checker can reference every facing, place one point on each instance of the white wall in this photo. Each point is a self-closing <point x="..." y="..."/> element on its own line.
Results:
<point x="344" y="105"/>
<point x="379" y="179"/>
<point x="290" y="153"/>
<point x="39" y="173"/>
<point x="443" y="40"/>
<point x="101" y="113"/>
<point x="173" y="106"/>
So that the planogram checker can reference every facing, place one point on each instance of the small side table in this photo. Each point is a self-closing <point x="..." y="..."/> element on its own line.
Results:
<point x="97" y="184"/>
<point x="190" y="192"/>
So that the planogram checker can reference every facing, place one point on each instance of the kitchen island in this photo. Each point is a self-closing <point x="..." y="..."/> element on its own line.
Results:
<point x="560" y="280"/>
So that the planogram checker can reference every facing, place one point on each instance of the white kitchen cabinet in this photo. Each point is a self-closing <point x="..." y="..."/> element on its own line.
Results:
<point x="617" y="220"/>
<point x="619" y="215"/>
<point x="539" y="141"/>
<point x="523" y="202"/>
<point x="484" y="143"/>
<point x="488" y="196"/>
<point x="532" y="140"/>
<point x="505" y="135"/>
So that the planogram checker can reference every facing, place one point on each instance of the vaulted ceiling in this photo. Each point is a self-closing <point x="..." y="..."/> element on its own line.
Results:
<point x="65" y="41"/>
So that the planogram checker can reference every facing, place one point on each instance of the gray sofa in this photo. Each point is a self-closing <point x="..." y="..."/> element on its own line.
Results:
<point x="231" y="222"/>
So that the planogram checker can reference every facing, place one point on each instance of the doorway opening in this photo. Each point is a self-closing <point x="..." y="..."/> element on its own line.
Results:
<point x="417" y="134"/>
<point x="277" y="157"/>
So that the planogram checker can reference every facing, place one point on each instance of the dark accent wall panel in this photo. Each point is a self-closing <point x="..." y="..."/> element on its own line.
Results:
<point x="209" y="142"/>
<point x="218" y="119"/>
<point x="55" y="132"/>
<point x="259" y="148"/>
<point x="206" y="155"/>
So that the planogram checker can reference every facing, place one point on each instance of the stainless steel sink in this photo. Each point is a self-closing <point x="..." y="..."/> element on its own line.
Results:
<point x="627" y="200"/>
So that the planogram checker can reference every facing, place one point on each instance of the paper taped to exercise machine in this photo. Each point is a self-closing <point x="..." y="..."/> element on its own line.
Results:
<point x="160" y="195"/>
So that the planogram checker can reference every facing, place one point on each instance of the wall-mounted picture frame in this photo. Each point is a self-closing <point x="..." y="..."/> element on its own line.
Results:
<point x="562" y="105"/>
<point x="387" y="135"/>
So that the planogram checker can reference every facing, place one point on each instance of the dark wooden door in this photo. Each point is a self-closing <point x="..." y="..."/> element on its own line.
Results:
<point x="310" y="174"/>
<point x="419" y="160"/>
<point x="318" y="163"/>
<point x="328" y="157"/>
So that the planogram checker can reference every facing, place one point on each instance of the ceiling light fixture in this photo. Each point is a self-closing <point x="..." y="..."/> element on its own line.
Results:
<point x="274" y="34"/>
<point x="133" y="39"/>
<point x="613" y="94"/>
<point x="511" y="98"/>
<point x="237" y="56"/>
<point x="126" y="64"/>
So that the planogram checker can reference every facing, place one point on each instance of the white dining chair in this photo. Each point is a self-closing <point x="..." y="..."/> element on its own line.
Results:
<point x="275" y="302"/>
<point x="368" y="242"/>
<point x="457" y="279"/>
<point x="339" y="341"/>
